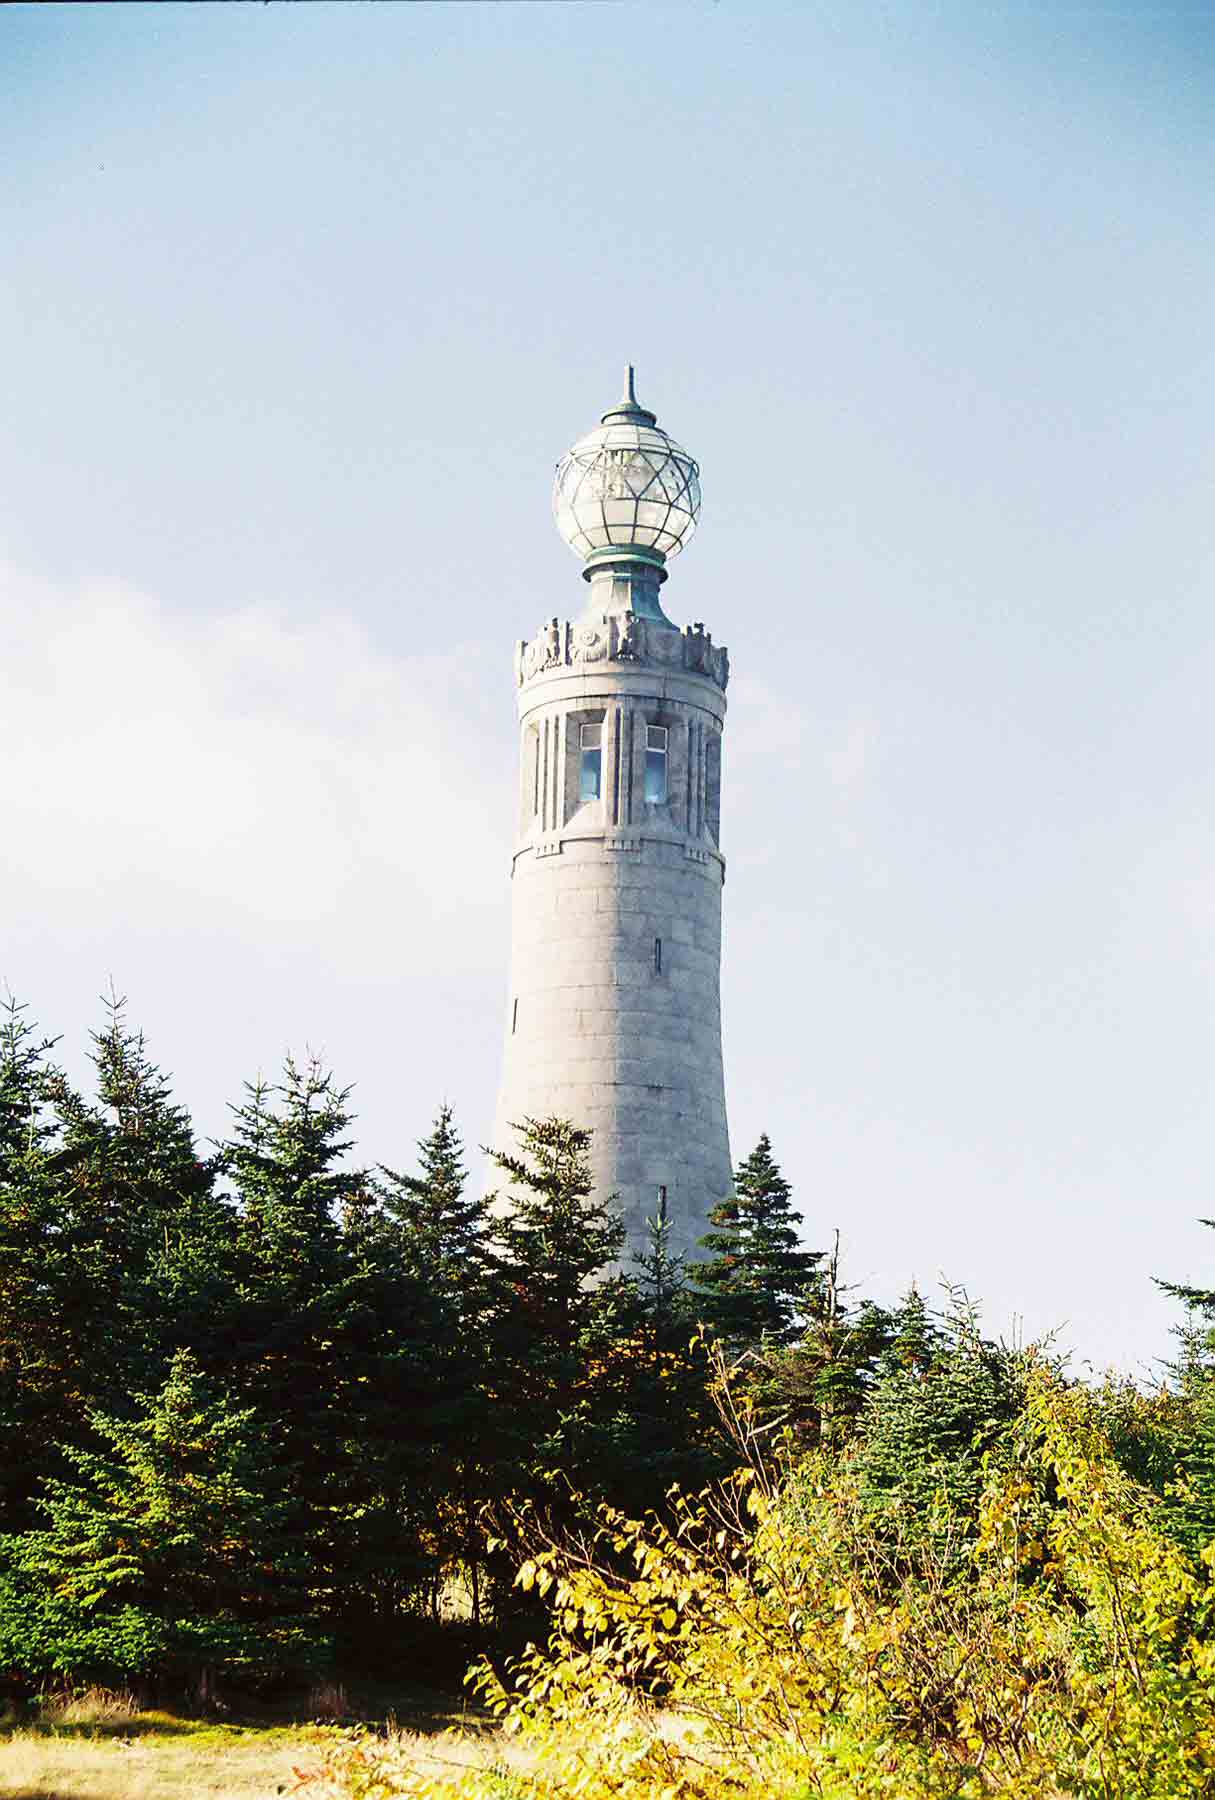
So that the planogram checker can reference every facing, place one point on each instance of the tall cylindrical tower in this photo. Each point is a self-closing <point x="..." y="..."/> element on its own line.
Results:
<point x="614" y="1012"/>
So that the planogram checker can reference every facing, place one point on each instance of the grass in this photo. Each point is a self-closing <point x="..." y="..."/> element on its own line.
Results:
<point x="100" y="1746"/>
<point x="219" y="1763"/>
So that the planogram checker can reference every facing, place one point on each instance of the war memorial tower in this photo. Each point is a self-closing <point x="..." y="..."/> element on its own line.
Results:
<point x="614" y="1011"/>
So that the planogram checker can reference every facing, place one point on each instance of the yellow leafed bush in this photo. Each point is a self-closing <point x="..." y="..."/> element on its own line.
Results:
<point x="776" y="1642"/>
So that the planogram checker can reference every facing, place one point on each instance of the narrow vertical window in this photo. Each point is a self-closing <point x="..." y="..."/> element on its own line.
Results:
<point x="514" y="1015"/>
<point x="662" y="1204"/>
<point x="656" y="764"/>
<point x="658" y="956"/>
<point x="713" y="786"/>
<point x="592" y="762"/>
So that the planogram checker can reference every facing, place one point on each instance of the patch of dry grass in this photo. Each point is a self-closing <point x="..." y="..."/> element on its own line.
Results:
<point x="97" y="1745"/>
<point x="89" y="1706"/>
<point x="216" y="1764"/>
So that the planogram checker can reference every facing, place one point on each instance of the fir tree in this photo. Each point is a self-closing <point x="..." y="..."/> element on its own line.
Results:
<point x="917" y="1340"/>
<point x="756" y="1280"/>
<point x="305" y="1337"/>
<point x="438" y="1236"/>
<point x="1199" y="1303"/>
<point x="1190" y="1503"/>
<point x="819" y="1384"/>
<point x="41" y="1355"/>
<point x="940" y="1406"/>
<point x="167" y="1551"/>
<point x="440" y="1228"/>
<point x="556" y="1242"/>
<point x="671" y="1435"/>
<point x="333" y="1339"/>
<point x="148" y="1238"/>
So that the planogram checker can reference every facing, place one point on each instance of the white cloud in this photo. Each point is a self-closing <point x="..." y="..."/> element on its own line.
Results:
<point x="237" y="768"/>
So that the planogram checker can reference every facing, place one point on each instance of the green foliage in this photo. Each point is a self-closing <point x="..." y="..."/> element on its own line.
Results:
<point x="40" y="1355"/>
<point x="819" y="1384"/>
<point x="770" y="1644"/>
<point x="555" y="1244"/>
<point x="437" y="1236"/>
<point x="165" y="1551"/>
<point x="756" y="1280"/>
<point x="255" y="1406"/>
<point x="944" y="1407"/>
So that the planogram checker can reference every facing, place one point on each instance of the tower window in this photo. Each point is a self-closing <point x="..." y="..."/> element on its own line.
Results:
<point x="656" y="764"/>
<point x="514" y="1015"/>
<point x="592" y="762"/>
<point x="658" y="956"/>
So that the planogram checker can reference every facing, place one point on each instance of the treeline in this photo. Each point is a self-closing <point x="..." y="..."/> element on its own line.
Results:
<point x="258" y="1405"/>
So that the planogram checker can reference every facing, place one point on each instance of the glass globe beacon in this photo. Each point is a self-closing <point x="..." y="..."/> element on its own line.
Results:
<point x="627" y="485"/>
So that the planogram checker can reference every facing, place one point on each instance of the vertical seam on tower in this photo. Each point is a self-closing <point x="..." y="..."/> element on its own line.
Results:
<point x="687" y="814"/>
<point x="703" y="763"/>
<point x="563" y="748"/>
<point x="616" y="766"/>
<point x="544" y="778"/>
<point x="558" y="769"/>
<point x="628" y="792"/>
<point x="701" y="771"/>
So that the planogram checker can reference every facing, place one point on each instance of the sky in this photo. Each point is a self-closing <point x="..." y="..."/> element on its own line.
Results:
<point x="301" y="304"/>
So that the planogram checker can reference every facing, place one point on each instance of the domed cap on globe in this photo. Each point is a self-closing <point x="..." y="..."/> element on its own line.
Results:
<point x="627" y="488"/>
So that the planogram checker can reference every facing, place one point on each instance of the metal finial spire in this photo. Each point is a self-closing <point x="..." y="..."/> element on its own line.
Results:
<point x="628" y="409"/>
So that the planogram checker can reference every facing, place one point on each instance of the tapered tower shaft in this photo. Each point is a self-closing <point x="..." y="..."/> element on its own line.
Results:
<point x="613" y="1015"/>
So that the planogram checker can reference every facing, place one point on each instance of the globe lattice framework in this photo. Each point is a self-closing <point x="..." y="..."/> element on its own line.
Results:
<point x="627" y="485"/>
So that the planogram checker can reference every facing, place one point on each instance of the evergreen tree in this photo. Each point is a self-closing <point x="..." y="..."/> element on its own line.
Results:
<point x="304" y="1332"/>
<point x="111" y="1241"/>
<point x="942" y="1401"/>
<point x="41" y="1357"/>
<point x="145" y="1236"/>
<point x="333" y="1340"/>
<point x="669" y="1434"/>
<point x="1198" y="1301"/>
<point x="917" y="1340"/>
<point x="1190" y="1501"/>
<point x="167" y="1551"/>
<point x="756" y="1282"/>
<point x="556" y="1241"/>
<point x="441" y="1229"/>
<point x="819" y="1384"/>
<point x="438" y="1236"/>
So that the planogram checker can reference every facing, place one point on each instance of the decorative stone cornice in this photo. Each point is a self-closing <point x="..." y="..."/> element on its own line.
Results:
<point x="621" y="638"/>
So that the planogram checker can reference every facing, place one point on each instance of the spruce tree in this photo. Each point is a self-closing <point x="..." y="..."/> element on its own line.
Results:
<point x="671" y="1437"/>
<point x="441" y="1228"/>
<point x="112" y="1244"/>
<point x="330" y="1341"/>
<point x="555" y="1241"/>
<point x="942" y="1403"/>
<point x="437" y="1234"/>
<point x="293" y="1328"/>
<point x="149" y="1241"/>
<point x="1199" y="1303"/>
<point x="756" y="1281"/>
<point x="1190" y="1502"/>
<point x="819" y="1384"/>
<point x="42" y="1358"/>
<point x="167" y="1551"/>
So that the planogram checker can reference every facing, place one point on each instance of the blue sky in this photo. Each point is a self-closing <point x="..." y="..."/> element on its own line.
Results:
<point x="301" y="305"/>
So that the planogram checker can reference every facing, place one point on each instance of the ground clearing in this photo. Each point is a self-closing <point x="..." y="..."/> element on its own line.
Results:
<point x="158" y="1756"/>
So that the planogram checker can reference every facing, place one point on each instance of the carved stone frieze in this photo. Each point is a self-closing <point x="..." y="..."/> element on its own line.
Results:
<point x="624" y="638"/>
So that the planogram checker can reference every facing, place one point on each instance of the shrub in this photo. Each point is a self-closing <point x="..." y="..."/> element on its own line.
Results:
<point x="774" y="1642"/>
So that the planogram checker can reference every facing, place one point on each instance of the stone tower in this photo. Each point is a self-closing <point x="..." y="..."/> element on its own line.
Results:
<point x="614" y="1012"/>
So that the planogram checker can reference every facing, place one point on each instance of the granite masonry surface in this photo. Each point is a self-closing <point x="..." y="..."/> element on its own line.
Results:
<point x="613" y="1010"/>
